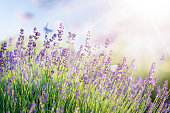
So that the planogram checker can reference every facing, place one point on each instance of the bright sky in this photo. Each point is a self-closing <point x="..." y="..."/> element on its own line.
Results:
<point x="73" y="14"/>
<point x="141" y="23"/>
<point x="78" y="16"/>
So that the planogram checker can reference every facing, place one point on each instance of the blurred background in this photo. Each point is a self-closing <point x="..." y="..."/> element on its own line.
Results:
<point x="138" y="29"/>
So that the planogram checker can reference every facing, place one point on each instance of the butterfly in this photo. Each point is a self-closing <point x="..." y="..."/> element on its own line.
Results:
<point x="47" y="30"/>
<point x="162" y="59"/>
<point x="113" y="68"/>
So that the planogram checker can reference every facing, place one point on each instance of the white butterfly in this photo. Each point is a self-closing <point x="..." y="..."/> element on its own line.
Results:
<point x="113" y="68"/>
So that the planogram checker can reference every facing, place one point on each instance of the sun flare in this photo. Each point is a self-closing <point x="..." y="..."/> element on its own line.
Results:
<point x="157" y="10"/>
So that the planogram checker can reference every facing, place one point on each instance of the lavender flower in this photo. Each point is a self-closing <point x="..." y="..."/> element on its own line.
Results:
<point x="150" y="108"/>
<point x="32" y="107"/>
<point x="107" y="43"/>
<point x="165" y="85"/>
<point x="60" y="32"/>
<point x="57" y="80"/>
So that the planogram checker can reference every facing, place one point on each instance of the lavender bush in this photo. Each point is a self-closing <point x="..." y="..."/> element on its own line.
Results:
<point x="57" y="79"/>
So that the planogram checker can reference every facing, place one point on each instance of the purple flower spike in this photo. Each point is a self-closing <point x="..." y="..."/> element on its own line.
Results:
<point x="32" y="107"/>
<point x="37" y="34"/>
<point x="34" y="44"/>
<point x="52" y="71"/>
<point x="22" y="31"/>
<point x="150" y="108"/>
<point x="92" y="111"/>
<point x="35" y="29"/>
<point x="165" y="85"/>
<point x="107" y="42"/>
<point x="114" y="108"/>
<point x="57" y="111"/>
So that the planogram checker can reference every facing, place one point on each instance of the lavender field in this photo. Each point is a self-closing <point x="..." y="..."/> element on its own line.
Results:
<point x="52" y="77"/>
